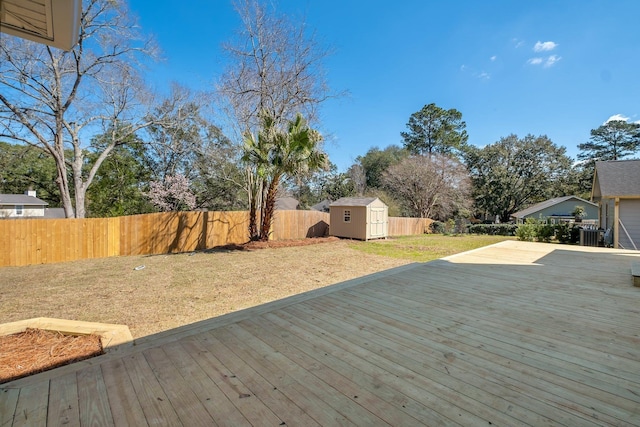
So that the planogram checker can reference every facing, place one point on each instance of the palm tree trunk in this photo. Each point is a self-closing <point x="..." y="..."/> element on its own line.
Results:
<point x="268" y="208"/>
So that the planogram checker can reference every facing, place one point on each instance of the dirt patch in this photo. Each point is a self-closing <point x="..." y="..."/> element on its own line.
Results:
<point x="274" y="244"/>
<point x="35" y="350"/>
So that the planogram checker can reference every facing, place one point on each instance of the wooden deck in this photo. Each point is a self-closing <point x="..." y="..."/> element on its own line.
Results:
<point x="512" y="334"/>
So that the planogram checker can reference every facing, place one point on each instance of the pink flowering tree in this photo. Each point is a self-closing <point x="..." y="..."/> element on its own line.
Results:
<point x="173" y="194"/>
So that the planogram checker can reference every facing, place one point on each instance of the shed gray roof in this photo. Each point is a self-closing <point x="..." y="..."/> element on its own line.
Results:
<point x="618" y="178"/>
<point x="21" y="199"/>
<point x="548" y="203"/>
<point x="354" y="201"/>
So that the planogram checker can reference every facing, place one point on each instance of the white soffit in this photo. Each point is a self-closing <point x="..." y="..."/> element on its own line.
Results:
<point x="52" y="22"/>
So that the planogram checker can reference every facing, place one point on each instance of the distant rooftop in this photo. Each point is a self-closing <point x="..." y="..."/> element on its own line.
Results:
<point x="21" y="199"/>
<point x="546" y="204"/>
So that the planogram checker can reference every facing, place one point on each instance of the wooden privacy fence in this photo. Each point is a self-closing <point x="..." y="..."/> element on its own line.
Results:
<point x="408" y="226"/>
<point x="43" y="241"/>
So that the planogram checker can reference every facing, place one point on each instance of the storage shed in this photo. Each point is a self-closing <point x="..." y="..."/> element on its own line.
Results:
<point x="616" y="189"/>
<point x="360" y="218"/>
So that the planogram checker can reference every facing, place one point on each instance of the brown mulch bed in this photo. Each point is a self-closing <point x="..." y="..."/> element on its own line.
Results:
<point x="35" y="350"/>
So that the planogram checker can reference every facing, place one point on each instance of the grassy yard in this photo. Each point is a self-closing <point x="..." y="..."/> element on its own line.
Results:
<point x="174" y="290"/>
<point x="426" y="247"/>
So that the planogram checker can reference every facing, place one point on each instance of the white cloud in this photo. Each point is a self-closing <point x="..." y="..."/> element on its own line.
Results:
<point x="463" y="67"/>
<point x="544" y="46"/>
<point x="551" y="60"/>
<point x="493" y="58"/>
<point x="546" y="62"/>
<point x="617" y="117"/>
<point x="517" y="43"/>
<point x="483" y="76"/>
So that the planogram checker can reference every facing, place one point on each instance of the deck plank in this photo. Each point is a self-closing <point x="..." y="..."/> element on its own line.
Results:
<point x="251" y="407"/>
<point x="510" y="368"/>
<point x="223" y="412"/>
<point x="31" y="409"/>
<point x="284" y="341"/>
<point x="63" y="401"/>
<point x="387" y="402"/>
<point x="530" y="337"/>
<point x="155" y="404"/>
<point x="8" y="403"/>
<point x="123" y="401"/>
<point x="325" y="404"/>
<point x="185" y="402"/>
<point x="260" y="386"/>
<point x="92" y="398"/>
<point x="451" y="397"/>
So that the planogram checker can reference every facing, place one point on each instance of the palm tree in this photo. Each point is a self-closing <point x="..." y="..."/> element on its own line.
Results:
<point x="276" y="154"/>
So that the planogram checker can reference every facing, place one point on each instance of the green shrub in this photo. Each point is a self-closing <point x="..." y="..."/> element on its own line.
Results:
<point x="527" y="231"/>
<point x="493" y="229"/>
<point x="567" y="233"/>
<point x="563" y="232"/>
<point x="438" y="227"/>
<point x="544" y="232"/>
<point x="532" y="229"/>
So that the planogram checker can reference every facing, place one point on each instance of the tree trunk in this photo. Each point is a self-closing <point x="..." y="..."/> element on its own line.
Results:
<point x="268" y="209"/>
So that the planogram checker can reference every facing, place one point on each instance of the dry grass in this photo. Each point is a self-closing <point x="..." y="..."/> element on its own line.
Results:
<point x="174" y="290"/>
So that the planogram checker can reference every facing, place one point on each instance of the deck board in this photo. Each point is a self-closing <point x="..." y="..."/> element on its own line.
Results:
<point x="517" y="334"/>
<point x="63" y="403"/>
<point x="125" y="407"/>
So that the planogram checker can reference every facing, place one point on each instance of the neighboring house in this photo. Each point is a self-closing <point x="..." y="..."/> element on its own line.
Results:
<point x="616" y="189"/>
<point x="558" y="209"/>
<point x="286" y="204"/>
<point x="360" y="218"/>
<point x="323" y="206"/>
<point x="22" y="206"/>
<point x="54" y="213"/>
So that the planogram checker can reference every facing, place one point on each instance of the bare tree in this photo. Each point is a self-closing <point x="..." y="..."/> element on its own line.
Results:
<point x="430" y="187"/>
<point x="276" y="69"/>
<point x="57" y="100"/>
<point x="275" y="75"/>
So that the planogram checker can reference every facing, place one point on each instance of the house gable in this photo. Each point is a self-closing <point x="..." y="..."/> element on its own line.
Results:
<point x="618" y="178"/>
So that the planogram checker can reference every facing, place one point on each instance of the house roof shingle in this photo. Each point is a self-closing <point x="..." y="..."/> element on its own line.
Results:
<point x="286" y="204"/>
<point x="617" y="178"/>
<point x="21" y="199"/>
<point x="546" y="204"/>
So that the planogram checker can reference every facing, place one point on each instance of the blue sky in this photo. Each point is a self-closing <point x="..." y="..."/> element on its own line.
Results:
<point x="558" y="68"/>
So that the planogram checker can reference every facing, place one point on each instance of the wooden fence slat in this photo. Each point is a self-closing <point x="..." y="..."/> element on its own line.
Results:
<point x="42" y="241"/>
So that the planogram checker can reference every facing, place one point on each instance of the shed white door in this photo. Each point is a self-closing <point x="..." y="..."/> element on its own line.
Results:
<point x="629" y="225"/>
<point x="377" y="222"/>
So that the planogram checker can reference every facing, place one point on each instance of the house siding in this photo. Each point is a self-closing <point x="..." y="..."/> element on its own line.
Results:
<point x="27" y="212"/>
<point x="351" y="229"/>
<point x="565" y="209"/>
